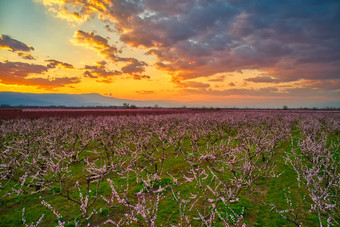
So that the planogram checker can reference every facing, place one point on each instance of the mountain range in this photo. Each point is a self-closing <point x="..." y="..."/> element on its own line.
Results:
<point x="16" y="99"/>
<point x="74" y="100"/>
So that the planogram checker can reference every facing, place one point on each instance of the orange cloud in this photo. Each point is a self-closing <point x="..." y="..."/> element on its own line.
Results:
<point x="6" y="42"/>
<point x="17" y="73"/>
<point x="50" y="84"/>
<point x="262" y="79"/>
<point x="192" y="84"/>
<point x="145" y="92"/>
<point x="63" y="13"/>
<point x="99" y="71"/>
<point x="325" y="85"/>
<point x="217" y="79"/>
<point x="134" y="66"/>
<point x="102" y="46"/>
<point x="55" y="63"/>
<point x="95" y="42"/>
<point x="27" y="56"/>
<point x="19" y="70"/>
<point x="76" y="10"/>
<point x="140" y="77"/>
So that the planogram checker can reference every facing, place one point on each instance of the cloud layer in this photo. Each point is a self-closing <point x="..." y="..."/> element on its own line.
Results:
<point x="19" y="73"/>
<point x="97" y="43"/>
<point x="6" y="42"/>
<point x="22" y="49"/>
<point x="288" y="40"/>
<point x="109" y="52"/>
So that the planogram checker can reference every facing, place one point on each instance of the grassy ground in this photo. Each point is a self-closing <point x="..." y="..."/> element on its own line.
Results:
<point x="272" y="191"/>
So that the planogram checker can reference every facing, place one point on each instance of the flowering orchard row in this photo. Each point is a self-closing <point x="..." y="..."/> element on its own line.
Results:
<point x="199" y="169"/>
<point x="34" y="113"/>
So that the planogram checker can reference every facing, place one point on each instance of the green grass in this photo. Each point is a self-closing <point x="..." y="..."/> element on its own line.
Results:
<point x="252" y="201"/>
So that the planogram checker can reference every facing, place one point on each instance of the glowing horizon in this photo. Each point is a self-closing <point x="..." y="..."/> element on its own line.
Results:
<point x="223" y="53"/>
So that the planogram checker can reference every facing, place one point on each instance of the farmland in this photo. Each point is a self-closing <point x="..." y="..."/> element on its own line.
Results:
<point x="180" y="168"/>
<point x="34" y="113"/>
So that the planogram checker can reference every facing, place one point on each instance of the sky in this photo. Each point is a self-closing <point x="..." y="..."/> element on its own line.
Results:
<point x="222" y="53"/>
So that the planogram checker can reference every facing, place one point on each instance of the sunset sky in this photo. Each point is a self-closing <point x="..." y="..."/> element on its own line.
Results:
<point x="198" y="52"/>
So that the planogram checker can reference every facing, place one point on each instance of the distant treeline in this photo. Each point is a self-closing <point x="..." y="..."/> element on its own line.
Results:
<point x="128" y="106"/>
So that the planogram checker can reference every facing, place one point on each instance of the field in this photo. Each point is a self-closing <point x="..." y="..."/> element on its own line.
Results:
<point x="169" y="168"/>
<point x="34" y="113"/>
